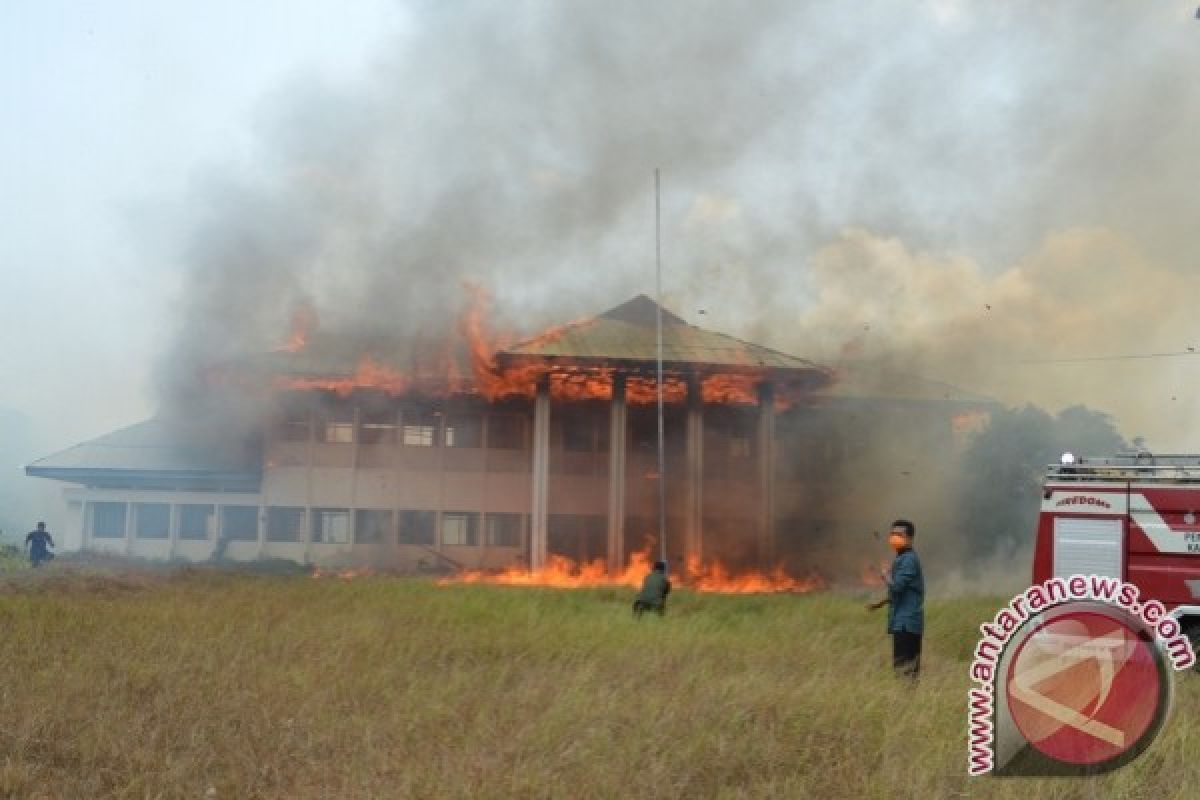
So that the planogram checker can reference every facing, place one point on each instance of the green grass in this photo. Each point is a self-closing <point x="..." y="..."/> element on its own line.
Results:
<point x="162" y="686"/>
<point x="12" y="559"/>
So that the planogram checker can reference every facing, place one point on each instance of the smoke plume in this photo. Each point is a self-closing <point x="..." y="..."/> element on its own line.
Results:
<point x="966" y="192"/>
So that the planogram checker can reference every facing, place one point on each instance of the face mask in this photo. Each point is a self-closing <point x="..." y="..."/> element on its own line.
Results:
<point x="898" y="542"/>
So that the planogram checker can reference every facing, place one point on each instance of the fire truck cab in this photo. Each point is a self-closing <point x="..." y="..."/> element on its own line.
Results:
<point x="1134" y="517"/>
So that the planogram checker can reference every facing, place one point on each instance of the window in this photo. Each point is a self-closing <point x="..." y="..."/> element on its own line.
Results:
<point x="337" y="425"/>
<point x="239" y="523"/>
<point x="152" y="520"/>
<point x="506" y="432"/>
<point x="585" y="434"/>
<point x="578" y="436"/>
<point x="460" y="528"/>
<point x="643" y="433"/>
<point x="503" y="530"/>
<point x="419" y="428"/>
<point x="464" y="431"/>
<point x="294" y="427"/>
<point x="195" y="522"/>
<point x="582" y="537"/>
<point x="331" y="525"/>
<point x="108" y="520"/>
<point x="285" y="523"/>
<point x="417" y="527"/>
<point x="372" y="527"/>
<point x="377" y="426"/>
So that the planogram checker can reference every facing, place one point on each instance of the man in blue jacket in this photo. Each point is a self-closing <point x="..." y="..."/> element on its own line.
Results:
<point x="39" y="543"/>
<point x="905" y="600"/>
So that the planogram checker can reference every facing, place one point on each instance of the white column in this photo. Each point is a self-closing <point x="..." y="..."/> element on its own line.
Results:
<point x="766" y="474"/>
<point x="617" y="415"/>
<point x="353" y="499"/>
<point x="85" y="536"/>
<point x="263" y="522"/>
<point x="694" y="542"/>
<point x="173" y="515"/>
<point x="130" y="510"/>
<point x="538" y="535"/>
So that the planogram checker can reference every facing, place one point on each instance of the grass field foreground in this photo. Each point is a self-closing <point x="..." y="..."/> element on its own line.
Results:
<point x="205" y="685"/>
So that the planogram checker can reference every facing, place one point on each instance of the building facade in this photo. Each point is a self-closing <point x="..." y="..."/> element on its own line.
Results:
<point x="562" y="461"/>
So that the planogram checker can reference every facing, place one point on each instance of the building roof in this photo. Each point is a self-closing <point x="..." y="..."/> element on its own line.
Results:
<point x="627" y="335"/>
<point x="153" y="453"/>
<point x="875" y="383"/>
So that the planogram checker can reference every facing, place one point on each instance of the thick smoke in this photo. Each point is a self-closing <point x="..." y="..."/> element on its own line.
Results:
<point x="946" y="189"/>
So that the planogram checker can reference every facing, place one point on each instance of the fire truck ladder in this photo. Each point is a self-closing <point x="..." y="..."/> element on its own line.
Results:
<point x="1140" y="467"/>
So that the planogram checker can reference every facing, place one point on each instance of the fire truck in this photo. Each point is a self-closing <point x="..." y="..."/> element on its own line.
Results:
<point x="1134" y="517"/>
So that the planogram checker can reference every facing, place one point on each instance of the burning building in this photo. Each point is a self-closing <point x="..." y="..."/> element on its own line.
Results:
<point x="510" y="458"/>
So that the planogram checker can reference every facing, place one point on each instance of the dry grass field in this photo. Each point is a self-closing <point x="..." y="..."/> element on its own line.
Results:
<point x="201" y="685"/>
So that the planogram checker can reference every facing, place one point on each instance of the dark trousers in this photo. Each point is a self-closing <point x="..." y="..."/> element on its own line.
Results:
<point x="906" y="653"/>
<point x="639" y="607"/>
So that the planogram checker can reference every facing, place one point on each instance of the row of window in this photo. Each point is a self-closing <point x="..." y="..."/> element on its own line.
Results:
<point x="199" y="522"/>
<point x="412" y="428"/>
<point x="421" y="428"/>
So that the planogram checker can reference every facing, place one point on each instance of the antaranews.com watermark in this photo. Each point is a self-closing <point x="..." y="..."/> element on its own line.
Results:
<point x="1072" y="678"/>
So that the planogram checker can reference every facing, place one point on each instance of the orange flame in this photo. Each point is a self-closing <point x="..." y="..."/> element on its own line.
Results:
<point x="731" y="389"/>
<point x="369" y="374"/>
<point x="561" y="572"/>
<point x="344" y="574"/>
<point x="486" y="377"/>
<point x="304" y="322"/>
<point x="714" y="577"/>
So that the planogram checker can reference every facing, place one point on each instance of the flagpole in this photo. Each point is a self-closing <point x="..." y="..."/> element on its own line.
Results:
<point x="662" y="454"/>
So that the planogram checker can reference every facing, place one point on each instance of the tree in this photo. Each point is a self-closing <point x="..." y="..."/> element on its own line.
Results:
<point x="1003" y="469"/>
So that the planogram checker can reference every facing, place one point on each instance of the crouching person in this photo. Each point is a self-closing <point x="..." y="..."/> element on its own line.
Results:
<point x="655" y="588"/>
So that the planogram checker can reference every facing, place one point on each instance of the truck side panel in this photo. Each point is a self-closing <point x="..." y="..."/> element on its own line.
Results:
<point x="1164" y="543"/>
<point x="1081" y="528"/>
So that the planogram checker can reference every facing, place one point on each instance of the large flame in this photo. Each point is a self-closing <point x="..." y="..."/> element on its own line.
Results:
<point x="561" y="572"/>
<point x="714" y="577"/>
<point x="444" y="371"/>
<point x="368" y="374"/>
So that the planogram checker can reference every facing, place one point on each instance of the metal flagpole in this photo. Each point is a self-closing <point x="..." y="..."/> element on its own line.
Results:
<point x="662" y="454"/>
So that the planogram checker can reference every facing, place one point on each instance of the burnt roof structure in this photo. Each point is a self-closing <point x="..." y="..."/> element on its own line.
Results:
<point x="626" y="337"/>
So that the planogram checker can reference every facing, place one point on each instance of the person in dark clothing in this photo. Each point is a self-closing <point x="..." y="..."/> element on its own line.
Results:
<point x="905" y="600"/>
<point x="655" y="588"/>
<point x="39" y="543"/>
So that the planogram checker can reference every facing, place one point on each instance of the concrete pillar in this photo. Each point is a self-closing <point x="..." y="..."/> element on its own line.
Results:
<point x="263" y="510"/>
<point x="85" y="536"/>
<point x="130" y="511"/>
<point x="352" y="501"/>
<point x="173" y="521"/>
<point x="694" y="512"/>
<point x="539" y="514"/>
<point x="766" y="474"/>
<point x="309" y="480"/>
<point x="617" y="416"/>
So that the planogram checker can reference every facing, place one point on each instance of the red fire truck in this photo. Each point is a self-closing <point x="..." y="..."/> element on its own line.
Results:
<point x="1134" y="517"/>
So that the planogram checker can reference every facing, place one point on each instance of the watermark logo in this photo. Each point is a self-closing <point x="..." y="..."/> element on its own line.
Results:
<point x="1073" y="677"/>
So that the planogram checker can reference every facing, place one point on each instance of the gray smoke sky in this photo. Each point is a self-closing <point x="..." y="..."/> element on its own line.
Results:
<point x="859" y="178"/>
